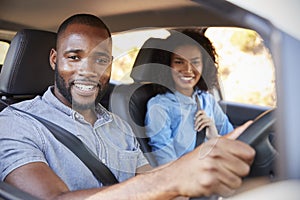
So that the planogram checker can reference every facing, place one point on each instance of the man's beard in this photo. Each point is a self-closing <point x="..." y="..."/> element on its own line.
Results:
<point x="66" y="93"/>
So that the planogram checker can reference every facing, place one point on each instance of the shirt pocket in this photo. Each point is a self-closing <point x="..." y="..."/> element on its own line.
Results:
<point x="123" y="163"/>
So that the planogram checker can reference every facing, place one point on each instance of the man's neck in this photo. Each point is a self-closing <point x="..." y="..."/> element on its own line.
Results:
<point x="89" y="115"/>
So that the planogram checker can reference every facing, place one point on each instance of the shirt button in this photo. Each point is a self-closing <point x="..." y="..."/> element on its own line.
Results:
<point x="76" y="115"/>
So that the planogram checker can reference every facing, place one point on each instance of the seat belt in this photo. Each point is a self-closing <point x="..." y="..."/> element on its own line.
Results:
<point x="200" y="137"/>
<point x="99" y="169"/>
<point x="200" y="134"/>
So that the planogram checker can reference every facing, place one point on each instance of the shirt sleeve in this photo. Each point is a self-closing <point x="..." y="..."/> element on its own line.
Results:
<point x="19" y="143"/>
<point x="222" y="122"/>
<point x="158" y="129"/>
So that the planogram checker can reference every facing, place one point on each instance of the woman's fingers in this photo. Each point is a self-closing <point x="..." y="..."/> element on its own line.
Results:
<point x="199" y="113"/>
<point x="202" y="120"/>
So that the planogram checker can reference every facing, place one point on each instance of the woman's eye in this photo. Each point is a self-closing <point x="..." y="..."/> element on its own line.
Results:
<point x="178" y="62"/>
<point x="196" y="63"/>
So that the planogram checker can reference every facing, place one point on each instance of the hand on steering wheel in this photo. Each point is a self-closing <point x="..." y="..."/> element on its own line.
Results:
<point x="257" y="136"/>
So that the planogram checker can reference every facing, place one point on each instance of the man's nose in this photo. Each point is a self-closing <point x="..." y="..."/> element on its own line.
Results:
<point x="88" y="67"/>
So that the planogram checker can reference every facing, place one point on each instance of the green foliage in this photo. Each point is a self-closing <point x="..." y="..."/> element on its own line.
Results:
<point x="246" y="41"/>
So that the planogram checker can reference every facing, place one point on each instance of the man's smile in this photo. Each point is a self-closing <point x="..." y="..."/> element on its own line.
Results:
<point x="85" y="88"/>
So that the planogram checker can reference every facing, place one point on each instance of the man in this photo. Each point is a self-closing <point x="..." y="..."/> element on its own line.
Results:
<point x="34" y="161"/>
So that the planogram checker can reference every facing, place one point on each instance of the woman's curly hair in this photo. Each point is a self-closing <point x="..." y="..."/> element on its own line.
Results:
<point x="209" y="77"/>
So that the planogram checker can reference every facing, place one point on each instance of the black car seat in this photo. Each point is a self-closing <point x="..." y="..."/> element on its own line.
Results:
<point x="129" y="101"/>
<point x="26" y="71"/>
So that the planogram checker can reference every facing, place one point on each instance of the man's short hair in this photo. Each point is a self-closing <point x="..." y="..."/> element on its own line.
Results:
<point x="86" y="19"/>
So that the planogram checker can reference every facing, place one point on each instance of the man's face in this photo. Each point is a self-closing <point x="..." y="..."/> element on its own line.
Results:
<point x="83" y="65"/>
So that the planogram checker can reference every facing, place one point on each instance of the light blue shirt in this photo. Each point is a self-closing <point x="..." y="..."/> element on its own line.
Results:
<point x="170" y="123"/>
<point x="24" y="140"/>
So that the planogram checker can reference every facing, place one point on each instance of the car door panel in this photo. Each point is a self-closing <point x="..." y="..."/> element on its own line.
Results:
<point x="239" y="113"/>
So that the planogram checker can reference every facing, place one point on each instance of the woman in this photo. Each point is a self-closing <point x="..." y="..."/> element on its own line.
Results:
<point x="184" y="105"/>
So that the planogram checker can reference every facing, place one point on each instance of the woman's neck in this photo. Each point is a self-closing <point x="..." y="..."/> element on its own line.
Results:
<point x="186" y="92"/>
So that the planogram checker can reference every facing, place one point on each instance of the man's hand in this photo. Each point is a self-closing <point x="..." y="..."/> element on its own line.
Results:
<point x="238" y="130"/>
<point x="215" y="167"/>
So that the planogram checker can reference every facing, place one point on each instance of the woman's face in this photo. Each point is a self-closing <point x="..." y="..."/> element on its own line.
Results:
<point x="186" y="62"/>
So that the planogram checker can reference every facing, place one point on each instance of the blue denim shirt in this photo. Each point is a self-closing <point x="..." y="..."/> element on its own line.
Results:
<point x="25" y="140"/>
<point x="170" y="123"/>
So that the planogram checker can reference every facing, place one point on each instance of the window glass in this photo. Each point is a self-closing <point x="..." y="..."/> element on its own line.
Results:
<point x="125" y="48"/>
<point x="3" y="50"/>
<point x="246" y="70"/>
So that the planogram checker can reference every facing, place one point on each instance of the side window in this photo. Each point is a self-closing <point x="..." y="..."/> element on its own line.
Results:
<point x="125" y="49"/>
<point x="3" y="50"/>
<point x="246" y="69"/>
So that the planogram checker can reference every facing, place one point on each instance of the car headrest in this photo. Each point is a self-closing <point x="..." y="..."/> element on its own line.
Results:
<point x="146" y="66"/>
<point x="26" y="69"/>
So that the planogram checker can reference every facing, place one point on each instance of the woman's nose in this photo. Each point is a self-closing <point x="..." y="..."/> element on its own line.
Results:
<point x="189" y="67"/>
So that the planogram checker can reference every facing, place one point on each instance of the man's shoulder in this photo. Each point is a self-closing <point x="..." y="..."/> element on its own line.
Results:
<point x="118" y="120"/>
<point x="15" y="124"/>
<point x="25" y="105"/>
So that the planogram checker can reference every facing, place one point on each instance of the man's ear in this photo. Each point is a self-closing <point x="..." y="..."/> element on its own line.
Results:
<point x="52" y="58"/>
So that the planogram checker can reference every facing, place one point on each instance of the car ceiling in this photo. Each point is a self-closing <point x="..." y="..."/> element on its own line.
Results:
<point x="120" y="15"/>
<point x="123" y="15"/>
<point x="47" y="14"/>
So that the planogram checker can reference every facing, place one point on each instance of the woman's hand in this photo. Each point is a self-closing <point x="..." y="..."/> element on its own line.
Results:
<point x="202" y="121"/>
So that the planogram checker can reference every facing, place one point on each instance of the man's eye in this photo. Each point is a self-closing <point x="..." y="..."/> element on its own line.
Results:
<point x="103" y="61"/>
<point x="74" y="57"/>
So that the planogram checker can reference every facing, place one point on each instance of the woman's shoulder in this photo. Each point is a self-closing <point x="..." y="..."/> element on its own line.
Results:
<point x="207" y="97"/>
<point x="162" y="98"/>
<point x="205" y="94"/>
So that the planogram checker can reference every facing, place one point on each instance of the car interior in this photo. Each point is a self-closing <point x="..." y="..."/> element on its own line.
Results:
<point x="26" y="72"/>
<point x="130" y="100"/>
<point x="19" y="79"/>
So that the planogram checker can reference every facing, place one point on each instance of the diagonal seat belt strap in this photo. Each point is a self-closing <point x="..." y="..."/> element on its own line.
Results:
<point x="100" y="170"/>
<point x="200" y="137"/>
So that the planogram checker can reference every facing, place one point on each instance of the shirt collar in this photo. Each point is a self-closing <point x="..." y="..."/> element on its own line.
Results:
<point x="177" y="96"/>
<point x="185" y="99"/>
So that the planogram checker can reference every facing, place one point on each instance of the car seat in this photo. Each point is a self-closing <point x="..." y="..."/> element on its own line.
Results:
<point x="26" y="71"/>
<point x="129" y="101"/>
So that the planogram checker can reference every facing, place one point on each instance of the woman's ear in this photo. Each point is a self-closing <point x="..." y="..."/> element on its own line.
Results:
<point x="52" y="58"/>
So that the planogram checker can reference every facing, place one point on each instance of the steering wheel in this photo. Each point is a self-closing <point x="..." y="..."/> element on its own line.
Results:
<point x="257" y="136"/>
